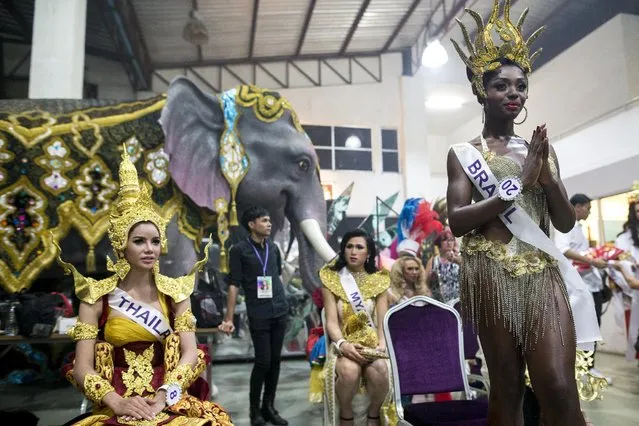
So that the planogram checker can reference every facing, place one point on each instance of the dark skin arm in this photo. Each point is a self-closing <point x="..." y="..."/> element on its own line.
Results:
<point x="463" y="216"/>
<point x="562" y="213"/>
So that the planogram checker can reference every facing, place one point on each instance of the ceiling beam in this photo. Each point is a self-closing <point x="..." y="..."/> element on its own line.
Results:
<point x="351" y="32"/>
<point x="25" y="27"/>
<point x="256" y="7"/>
<point x="448" y="17"/>
<point x="198" y="48"/>
<point x="267" y="59"/>
<point x="307" y="22"/>
<point x="401" y="24"/>
<point x="135" y="23"/>
<point x="126" y="36"/>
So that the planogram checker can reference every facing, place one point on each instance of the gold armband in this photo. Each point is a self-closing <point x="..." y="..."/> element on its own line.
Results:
<point x="183" y="375"/>
<point x="83" y="331"/>
<point x="95" y="387"/>
<point x="185" y="322"/>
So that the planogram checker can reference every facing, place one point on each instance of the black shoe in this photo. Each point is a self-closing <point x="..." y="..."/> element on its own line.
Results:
<point x="271" y="415"/>
<point x="258" y="420"/>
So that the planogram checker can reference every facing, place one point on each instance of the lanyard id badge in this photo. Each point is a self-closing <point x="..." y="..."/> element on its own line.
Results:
<point x="264" y="287"/>
<point x="264" y="282"/>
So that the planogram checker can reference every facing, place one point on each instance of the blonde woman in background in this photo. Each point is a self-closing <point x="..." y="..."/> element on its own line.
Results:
<point x="408" y="279"/>
<point x="442" y="270"/>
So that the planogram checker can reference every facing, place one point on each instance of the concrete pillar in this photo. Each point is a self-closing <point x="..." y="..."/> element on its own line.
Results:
<point x="57" y="51"/>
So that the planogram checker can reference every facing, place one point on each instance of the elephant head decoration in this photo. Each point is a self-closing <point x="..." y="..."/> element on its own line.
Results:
<point x="209" y="158"/>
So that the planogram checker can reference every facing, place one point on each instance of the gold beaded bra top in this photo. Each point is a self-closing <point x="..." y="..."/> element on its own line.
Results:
<point x="532" y="200"/>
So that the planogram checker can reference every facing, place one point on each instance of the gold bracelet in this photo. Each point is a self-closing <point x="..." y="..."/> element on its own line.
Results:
<point x="83" y="331"/>
<point x="185" y="322"/>
<point x="96" y="388"/>
<point x="183" y="375"/>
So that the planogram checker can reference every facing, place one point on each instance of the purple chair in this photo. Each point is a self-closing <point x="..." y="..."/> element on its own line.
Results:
<point x="425" y="343"/>
<point x="471" y="346"/>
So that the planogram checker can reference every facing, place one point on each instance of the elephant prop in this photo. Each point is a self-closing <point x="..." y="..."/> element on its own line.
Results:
<point x="205" y="157"/>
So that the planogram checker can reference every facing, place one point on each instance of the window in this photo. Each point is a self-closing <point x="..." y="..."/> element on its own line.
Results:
<point x="322" y="139"/>
<point x="342" y="148"/>
<point x="390" y="151"/>
<point x="353" y="149"/>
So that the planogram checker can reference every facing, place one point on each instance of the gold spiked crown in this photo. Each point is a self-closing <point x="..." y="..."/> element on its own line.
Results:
<point x="134" y="205"/>
<point x="484" y="55"/>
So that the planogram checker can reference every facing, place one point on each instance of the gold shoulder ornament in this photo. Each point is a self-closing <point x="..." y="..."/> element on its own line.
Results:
<point x="370" y="285"/>
<point x="483" y="55"/>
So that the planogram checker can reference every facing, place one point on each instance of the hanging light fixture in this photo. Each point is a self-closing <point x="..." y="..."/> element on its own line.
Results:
<point x="434" y="55"/>
<point x="195" y="31"/>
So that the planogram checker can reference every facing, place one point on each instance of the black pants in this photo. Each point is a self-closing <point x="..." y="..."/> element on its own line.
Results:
<point x="268" y="339"/>
<point x="598" y="297"/>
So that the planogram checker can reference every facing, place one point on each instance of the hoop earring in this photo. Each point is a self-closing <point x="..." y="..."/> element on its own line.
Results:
<point x="525" y="117"/>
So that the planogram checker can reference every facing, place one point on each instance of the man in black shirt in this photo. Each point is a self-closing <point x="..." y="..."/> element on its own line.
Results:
<point x="256" y="265"/>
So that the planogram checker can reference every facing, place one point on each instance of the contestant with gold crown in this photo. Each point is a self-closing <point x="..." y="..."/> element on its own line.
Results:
<point x="503" y="194"/>
<point x="355" y="302"/>
<point x="136" y="353"/>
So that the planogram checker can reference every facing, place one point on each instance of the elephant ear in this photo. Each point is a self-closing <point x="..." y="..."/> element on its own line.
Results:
<point x="193" y="123"/>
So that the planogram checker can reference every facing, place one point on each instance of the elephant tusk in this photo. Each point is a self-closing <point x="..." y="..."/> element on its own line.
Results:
<point x="313" y="232"/>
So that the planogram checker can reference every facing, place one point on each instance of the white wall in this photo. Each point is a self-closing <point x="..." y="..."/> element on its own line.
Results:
<point x="375" y="106"/>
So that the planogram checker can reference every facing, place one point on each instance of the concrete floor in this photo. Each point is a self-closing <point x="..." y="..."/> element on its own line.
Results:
<point x="55" y="406"/>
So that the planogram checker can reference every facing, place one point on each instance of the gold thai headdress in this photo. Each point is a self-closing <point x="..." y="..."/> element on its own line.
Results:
<point x="134" y="205"/>
<point x="484" y="55"/>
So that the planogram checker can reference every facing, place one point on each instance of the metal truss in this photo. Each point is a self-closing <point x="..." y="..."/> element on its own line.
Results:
<point x="316" y="72"/>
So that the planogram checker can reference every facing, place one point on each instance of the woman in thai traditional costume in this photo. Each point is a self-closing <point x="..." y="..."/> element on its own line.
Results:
<point x="408" y="279"/>
<point x="442" y="269"/>
<point x="355" y="302"/>
<point x="136" y="354"/>
<point x="514" y="282"/>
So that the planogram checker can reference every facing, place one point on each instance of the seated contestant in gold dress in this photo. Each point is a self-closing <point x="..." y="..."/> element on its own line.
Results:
<point x="136" y="354"/>
<point x="354" y="325"/>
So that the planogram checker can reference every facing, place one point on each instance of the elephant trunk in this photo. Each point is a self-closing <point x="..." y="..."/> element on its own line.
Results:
<point x="309" y="225"/>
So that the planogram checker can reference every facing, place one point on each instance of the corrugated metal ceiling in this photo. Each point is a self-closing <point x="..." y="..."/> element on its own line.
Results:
<point x="335" y="27"/>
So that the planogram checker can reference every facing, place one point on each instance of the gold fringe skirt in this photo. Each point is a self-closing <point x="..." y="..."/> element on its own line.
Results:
<point x="513" y="283"/>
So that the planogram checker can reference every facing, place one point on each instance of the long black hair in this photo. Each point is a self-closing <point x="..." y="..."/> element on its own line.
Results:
<point x="633" y="223"/>
<point x="369" y="265"/>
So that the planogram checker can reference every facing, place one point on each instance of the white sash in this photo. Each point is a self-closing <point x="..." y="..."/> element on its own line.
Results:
<point x="522" y="227"/>
<point x="352" y="292"/>
<point x="145" y="315"/>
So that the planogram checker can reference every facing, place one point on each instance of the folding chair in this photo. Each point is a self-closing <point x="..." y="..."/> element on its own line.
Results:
<point x="425" y="344"/>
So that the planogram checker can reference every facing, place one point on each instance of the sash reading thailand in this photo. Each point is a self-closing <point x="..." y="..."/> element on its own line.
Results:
<point x="525" y="229"/>
<point x="145" y="315"/>
<point x="352" y="292"/>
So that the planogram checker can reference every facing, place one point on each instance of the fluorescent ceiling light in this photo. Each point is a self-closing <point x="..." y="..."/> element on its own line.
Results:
<point x="353" y="142"/>
<point x="444" y="102"/>
<point x="434" y="55"/>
